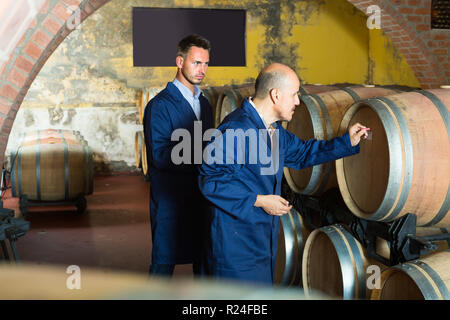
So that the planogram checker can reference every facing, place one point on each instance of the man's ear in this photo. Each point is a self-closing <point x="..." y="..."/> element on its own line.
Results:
<point x="179" y="61"/>
<point x="274" y="95"/>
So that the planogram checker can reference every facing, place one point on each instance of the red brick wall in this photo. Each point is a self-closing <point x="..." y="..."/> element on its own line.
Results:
<point x="406" y="22"/>
<point x="418" y="16"/>
<point x="44" y="35"/>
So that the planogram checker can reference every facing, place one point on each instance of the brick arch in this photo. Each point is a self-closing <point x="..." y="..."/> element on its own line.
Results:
<point x="408" y="26"/>
<point x="51" y="25"/>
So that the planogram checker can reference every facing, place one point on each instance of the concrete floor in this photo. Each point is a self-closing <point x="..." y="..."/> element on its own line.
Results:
<point x="113" y="234"/>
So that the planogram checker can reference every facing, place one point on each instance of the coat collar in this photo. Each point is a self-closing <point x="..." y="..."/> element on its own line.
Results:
<point x="174" y="92"/>
<point x="178" y="97"/>
<point x="258" y="122"/>
<point x="254" y="115"/>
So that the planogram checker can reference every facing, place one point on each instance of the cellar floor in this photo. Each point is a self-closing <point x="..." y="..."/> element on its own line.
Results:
<point x="113" y="234"/>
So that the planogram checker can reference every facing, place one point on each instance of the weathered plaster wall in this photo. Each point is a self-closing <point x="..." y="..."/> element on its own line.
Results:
<point x="386" y="64"/>
<point x="89" y="82"/>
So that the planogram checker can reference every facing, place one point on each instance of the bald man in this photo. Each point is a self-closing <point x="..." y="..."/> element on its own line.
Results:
<point x="243" y="190"/>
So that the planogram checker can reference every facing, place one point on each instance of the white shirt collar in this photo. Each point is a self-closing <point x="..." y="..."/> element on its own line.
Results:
<point x="253" y="105"/>
<point x="185" y="91"/>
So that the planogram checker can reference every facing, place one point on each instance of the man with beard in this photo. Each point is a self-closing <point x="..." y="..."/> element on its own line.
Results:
<point x="175" y="200"/>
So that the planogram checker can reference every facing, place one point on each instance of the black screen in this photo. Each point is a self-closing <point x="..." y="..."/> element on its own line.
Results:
<point x="157" y="31"/>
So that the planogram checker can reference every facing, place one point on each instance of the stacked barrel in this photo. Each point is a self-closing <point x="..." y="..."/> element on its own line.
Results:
<point x="410" y="151"/>
<point x="292" y="236"/>
<point x="226" y="99"/>
<point x="52" y="165"/>
<point x="140" y="153"/>
<point x="336" y="263"/>
<point x="214" y="95"/>
<point x="404" y="168"/>
<point x="319" y="116"/>
<point x="231" y="99"/>
<point x="425" y="278"/>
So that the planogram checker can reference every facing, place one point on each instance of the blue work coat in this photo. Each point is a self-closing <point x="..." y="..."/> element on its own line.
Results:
<point x="175" y="200"/>
<point x="241" y="238"/>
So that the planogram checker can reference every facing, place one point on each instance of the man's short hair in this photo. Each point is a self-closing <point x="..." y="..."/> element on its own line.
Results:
<point x="192" y="40"/>
<point x="267" y="81"/>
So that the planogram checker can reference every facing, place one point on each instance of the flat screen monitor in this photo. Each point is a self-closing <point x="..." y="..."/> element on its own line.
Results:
<point x="157" y="31"/>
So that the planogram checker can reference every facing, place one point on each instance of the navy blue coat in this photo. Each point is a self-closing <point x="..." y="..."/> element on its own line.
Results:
<point x="241" y="238"/>
<point x="175" y="200"/>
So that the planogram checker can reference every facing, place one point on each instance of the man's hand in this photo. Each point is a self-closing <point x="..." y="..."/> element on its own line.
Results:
<point x="273" y="204"/>
<point x="357" y="131"/>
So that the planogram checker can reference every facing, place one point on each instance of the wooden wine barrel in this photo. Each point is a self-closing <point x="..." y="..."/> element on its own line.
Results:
<point x="212" y="94"/>
<point x="291" y="241"/>
<point x="88" y="162"/>
<point x="232" y="96"/>
<point x="144" y="96"/>
<point x="318" y="117"/>
<point x="144" y="162"/>
<point x="49" y="133"/>
<point x="231" y="99"/>
<point x="52" y="169"/>
<point x="423" y="279"/>
<point x="335" y="263"/>
<point x="405" y="167"/>
<point x="138" y="149"/>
